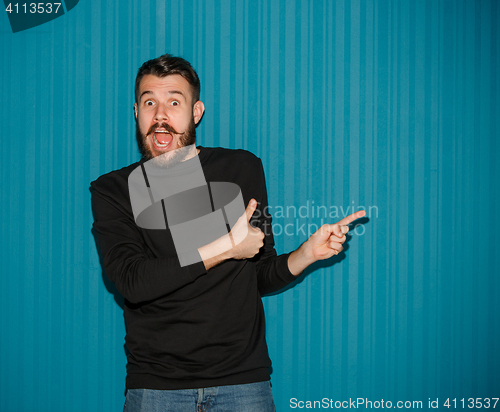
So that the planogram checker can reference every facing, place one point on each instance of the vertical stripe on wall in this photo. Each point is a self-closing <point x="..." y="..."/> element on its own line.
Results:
<point x="389" y="105"/>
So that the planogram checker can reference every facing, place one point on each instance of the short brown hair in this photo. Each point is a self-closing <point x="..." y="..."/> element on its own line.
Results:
<point x="166" y="65"/>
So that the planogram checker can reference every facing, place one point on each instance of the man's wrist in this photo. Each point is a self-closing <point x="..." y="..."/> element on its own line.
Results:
<point x="300" y="259"/>
<point x="216" y="252"/>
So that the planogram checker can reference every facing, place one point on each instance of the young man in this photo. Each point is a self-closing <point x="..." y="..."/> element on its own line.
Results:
<point x="195" y="332"/>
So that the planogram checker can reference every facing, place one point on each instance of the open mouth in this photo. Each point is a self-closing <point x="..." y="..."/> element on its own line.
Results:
<point x="162" y="139"/>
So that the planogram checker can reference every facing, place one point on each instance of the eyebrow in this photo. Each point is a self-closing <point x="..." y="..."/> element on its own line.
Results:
<point x="170" y="92"/>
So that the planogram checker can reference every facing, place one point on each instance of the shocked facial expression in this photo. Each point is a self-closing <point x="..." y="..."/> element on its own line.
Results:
<point x="165" y="114"/>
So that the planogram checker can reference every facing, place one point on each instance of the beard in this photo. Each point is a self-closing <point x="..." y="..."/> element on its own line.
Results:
<point x="172" y="157"/>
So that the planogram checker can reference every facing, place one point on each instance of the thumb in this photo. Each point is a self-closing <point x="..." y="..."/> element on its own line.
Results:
<point x="252" y="205"/>
<point x="338" y="230"/>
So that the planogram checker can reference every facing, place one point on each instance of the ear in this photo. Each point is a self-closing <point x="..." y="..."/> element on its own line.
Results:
<point x="135" y="110"/>
<point x="198" y="110"/>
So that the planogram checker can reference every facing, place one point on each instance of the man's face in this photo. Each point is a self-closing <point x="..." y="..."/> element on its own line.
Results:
<point x="165" y="114"/>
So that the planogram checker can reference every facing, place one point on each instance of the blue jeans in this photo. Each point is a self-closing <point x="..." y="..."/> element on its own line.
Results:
<point x="251" y="397"/>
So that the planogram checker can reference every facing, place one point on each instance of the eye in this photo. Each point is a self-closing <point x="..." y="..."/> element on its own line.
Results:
<point x="149" y="103"/>
<point x="175" y="103"/>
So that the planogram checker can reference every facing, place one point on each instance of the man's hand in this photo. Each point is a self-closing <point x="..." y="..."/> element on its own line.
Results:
<point x="243" y="242"/>
<point x="247" y="239"/>
<point x="326" y="242"/>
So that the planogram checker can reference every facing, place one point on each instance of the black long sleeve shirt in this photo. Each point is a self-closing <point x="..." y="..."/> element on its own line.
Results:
<point x="188" y="327"/>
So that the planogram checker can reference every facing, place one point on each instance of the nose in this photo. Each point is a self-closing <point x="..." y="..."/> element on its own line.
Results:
<point x="161" y="113"/>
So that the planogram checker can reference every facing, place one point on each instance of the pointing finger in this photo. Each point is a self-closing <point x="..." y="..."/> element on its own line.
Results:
<point x="352" y="218"/>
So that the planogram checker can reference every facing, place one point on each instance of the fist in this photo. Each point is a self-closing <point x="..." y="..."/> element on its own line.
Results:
<point x="247" y="239"/>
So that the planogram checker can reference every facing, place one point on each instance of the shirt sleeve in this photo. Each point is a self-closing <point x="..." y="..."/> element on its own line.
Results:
<point x="127" y="261"/>
<point x="273" y="273"/>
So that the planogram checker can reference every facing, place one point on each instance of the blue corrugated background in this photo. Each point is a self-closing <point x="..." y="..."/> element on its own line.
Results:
<point x="389" y="105"/>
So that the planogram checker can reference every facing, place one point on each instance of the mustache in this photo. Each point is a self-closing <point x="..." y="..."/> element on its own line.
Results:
<point x="165" y="126"/>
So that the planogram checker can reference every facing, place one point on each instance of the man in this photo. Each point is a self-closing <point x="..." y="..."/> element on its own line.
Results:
<point x="195" y="333"/>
